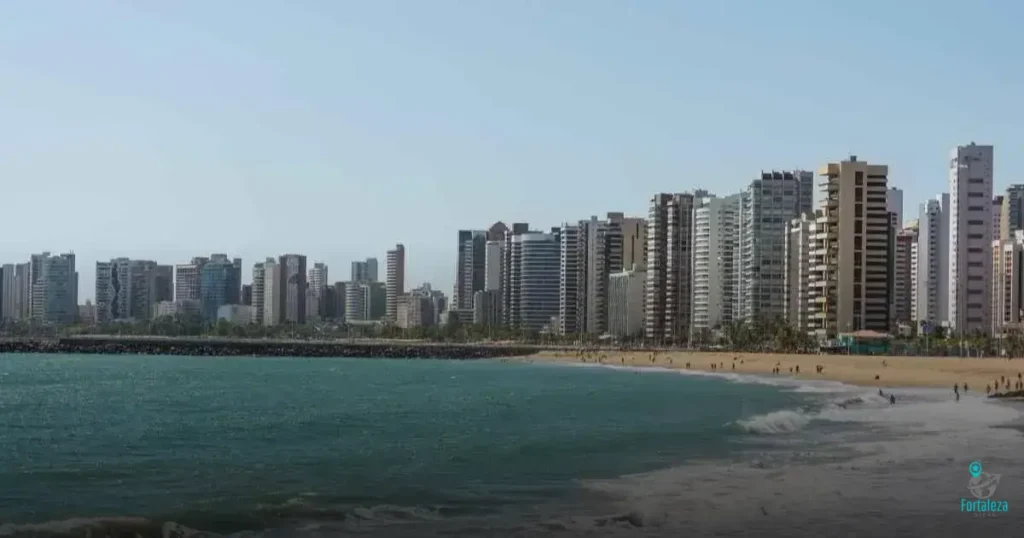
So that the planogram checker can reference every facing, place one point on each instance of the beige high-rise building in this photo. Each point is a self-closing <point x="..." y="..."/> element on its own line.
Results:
<point x="970" y="239"/>
<point x="1007" y="283"/>
<point x="849" y="262"/>
<point x="395" y="281"/>
<point x="273" y="292"/>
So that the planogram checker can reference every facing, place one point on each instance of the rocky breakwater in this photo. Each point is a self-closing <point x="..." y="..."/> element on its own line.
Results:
<point x="264" y="348"/>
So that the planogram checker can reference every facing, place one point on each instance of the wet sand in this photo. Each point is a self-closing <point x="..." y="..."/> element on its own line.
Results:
<point x="938" y="372"/>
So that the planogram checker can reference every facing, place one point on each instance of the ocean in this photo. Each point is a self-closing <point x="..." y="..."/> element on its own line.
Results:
<point x="186" y="446"/>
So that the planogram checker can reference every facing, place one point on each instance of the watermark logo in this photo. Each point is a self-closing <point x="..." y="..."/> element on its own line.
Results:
<point x="982" y="486"/>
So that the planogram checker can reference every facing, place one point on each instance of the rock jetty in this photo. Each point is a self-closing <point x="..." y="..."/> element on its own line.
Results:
<point x="114" y="345"/>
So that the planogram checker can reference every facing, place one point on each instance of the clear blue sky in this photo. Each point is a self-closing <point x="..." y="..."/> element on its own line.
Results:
<point x="336" y="129"/>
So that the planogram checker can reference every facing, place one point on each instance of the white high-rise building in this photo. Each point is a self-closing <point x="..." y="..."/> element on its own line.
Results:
<point x="626" y="304"/>
<point x="395" y="281"/>
<point x="273" y="293"/>
<point x="903" y="276"/>
<point x="569" y="280"/>
<point x="187" y="278"/>
<point x="970" y="239"/>
<point x="669" y="295"/>
<point x="8" y="293"/>
<point x="714" y="264"/>
<point x="259" y="292"/>
<point x="799" y="242"/>
<point x="768" y="205"/>
<point x="932" y="296"/>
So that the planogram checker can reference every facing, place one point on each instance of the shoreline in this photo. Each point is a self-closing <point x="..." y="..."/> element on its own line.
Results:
<point x="858" y="370"/>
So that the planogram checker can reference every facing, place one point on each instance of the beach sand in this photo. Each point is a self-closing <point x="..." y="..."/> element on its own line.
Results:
<point x="938" y="372"/>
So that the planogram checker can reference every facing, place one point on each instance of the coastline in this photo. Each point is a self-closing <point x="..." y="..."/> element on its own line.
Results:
<point x="894" y="372"/>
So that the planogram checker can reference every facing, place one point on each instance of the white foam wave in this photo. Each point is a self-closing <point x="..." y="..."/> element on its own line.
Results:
<point x="776" y="422"/>
<point x="77" y="526"/>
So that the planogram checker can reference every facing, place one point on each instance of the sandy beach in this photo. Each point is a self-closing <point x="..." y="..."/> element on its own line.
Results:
<point x="938" y="372"/>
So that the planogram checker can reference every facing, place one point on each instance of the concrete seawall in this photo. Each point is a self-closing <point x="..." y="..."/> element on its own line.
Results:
<point x="114" y="345"/>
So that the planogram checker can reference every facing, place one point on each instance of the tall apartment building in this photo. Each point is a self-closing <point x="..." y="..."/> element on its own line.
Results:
<point x="316" y="304"/>
<point x="510" y="274"/>
<point x="187" y="279"/>
<point x="8" y="293"/>
<point x="55" y="291"/>
<point x="1007" y="283"/>
<point x="395" y="281"/>
<point x="914" y="271"/>
<point x="293" y="283"/>
<point x="767" y="207"/>
<point x="970" y="239"/>
<point x="259" y="291"/>
<point x="903" y="276"/>
<point x="715" y="225"/>
<point x="626" y="304"/>
<point x="365" y="301"/>
<point x="799" y="243"/>
<point x="246" y="299"/>
<point x="933" y="262"/>
<point x="17" y="305"/>
<point x="894" y="205"/>
<point x="128" y="290"/>
<point x="669" y="267"/>
<point x="538" y="276"/>
<point x="470" y="265"/>
<point x="849" y="262"/>
<point x="569" y="280"/>
<point x="273" y="292"/>
<point x="1011" y="216"/>
<point x="997" y="217"/>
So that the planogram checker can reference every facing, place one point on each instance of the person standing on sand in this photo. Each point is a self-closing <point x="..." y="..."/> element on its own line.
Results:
<point x="892" y="399"/>
<point x="956" y="391"/>
<point x="988" y="389"/>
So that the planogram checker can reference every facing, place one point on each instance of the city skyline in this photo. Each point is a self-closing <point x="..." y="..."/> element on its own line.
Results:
<point x="446" y="113"/>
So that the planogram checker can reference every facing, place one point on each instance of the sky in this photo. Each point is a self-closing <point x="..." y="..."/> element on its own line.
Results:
<point x="335" y="129"/>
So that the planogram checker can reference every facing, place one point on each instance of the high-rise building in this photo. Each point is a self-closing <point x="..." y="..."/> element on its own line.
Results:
<point x="894" y="205"/>
<point x="316" y="303"/>
<point x="293" y="283"/>
<point x="587" y="251"/>
<point x="799" y="243"/>
<point x="395" y="284"/>
<point x="970" y="239"/>
<point x="1007" y="283"/>
<point x="187" y="279"/>
<point x="470" y="266"/>
<point x="633" y="233"/>
<point x="570" y="280"/>
<point x="493" y="253"/>
<point x="365" y="301"/>
<point x="246" y="299"/>
<point x="8" y="293"/>
<point x="113" y="290"/>
<point x="55" y="292"/>
<point x="1012" y="212"/>
<point x="768" y="205"/>
<point x="933" y="262"/>
<point x="364" y="271"/>
<point x="914" y="271"/>
<point x="273" y="292"/>
<point x="903" y="276"/>
<point x="163" y="284"/>
<point x="669" y="267"/>
<point x="486" y="307"/>
<point x="509" y="275"/>
<point x="218" y="285"/>
<point x="22" y="286"/>
<point x="538" y="275"/>
<point x="714" y="260"/>
<point x="626" y="304"/>
<point x="259" y="287"/>
<point x="997" y="217"/>
<point x="850" y="259"/>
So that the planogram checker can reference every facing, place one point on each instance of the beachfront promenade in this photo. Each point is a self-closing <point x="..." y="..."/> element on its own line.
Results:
<point x="200" y="346"/>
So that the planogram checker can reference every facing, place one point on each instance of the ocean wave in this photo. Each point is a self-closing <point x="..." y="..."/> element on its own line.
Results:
<point x="776" y="422"/>
<point x="94" y="526"/>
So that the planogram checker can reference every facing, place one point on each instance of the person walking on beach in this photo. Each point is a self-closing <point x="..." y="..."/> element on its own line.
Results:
<point x="892" y="399"/>
<point x="956" y="391"/>
<point x="988" y="389"/>
<point x="880" y="393"/>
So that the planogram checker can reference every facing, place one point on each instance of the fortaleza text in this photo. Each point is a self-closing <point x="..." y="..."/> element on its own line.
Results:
<point x="984" y="505"/>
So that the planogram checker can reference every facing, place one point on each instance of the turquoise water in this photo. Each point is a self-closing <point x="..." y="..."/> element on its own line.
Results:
<point x="236" y="443"/>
